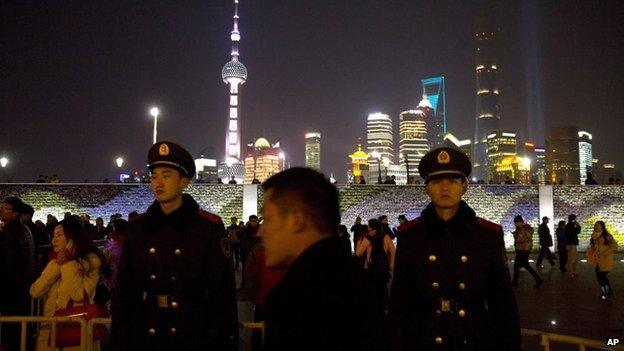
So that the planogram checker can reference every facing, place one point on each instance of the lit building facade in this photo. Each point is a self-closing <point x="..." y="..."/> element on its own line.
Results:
<point x="359" y="162"/>
<point x="379" y="137"/>
<point x="313" y="150"/>
<point x="586" y="157"/>
<point x="434" y="89"/>
<point x="562" y="155"/>
<point x="262" y="161"/>
<point x="465" y="145"/>
<point x="517" y="169"/>
<point x="234" y="74"/>
<point x="487" y="90"/>
<point x="538" y="166"/>
<point x="206" y="170"/>
<point x="500" y="144"/>
<point x="413" y="143"/>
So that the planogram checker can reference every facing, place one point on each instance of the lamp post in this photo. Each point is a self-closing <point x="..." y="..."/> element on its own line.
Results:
<point x="376" y="155"/>
<point x="154" y="111"/>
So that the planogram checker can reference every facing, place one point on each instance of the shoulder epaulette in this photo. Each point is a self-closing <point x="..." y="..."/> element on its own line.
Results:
<point x="489" y="225"/>
<point x="210" y="216"/>
<point x="408" y="225"/>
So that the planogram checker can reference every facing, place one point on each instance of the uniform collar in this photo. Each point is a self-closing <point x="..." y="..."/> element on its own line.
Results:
<point x="179" y="219"/>
<point x="461" y="224"/>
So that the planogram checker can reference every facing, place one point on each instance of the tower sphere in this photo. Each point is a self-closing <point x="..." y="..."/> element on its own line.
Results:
<point x="234" y="69"/>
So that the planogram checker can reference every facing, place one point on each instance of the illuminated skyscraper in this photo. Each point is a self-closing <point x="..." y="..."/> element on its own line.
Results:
<point x="451" y="140"/>
<point x="562" y="155"/>
<point x="313" y="150"/>
<point x="379" y="138"/>
<point x="501" y="144"/>
<point x="413" y="143"/>
<point x="488" y="107"/>
<point x="436" y="127"/>
<point x="585" y="154"/>
<point x="234" y="73"/>
<point x="262" y="161"/>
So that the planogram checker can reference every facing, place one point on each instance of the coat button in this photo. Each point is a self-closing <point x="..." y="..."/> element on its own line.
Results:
<point x="464" y="259"/>
<point x="173" y="330"/>
<point x="178" y="252"/>
<point x="152" y="331"/>
<point x="174" y="304"/>
<point x="432" y="258"/>
<point x="153" y="277"/>
<point x="435" y="285"/>
<point x="152" y="250"/>
<point x="461" y="313"/>
<point x="438" y="313"/>
<point x="438" y="340"/>
<point x="462" y="286"/>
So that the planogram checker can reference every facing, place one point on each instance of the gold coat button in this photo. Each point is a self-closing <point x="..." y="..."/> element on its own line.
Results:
<point x="462" y="286"/>
<point x="435" y="285"/>
<point x="173" y="330"/>
<point x="464" y="259"/>
<point x="174" y="304"/>
<point x="438" y="340"/>
<point x="152" y="250"/>
<point x="152" y="331"/>
<point x="178" y="252"/>
<point x="432" y="258"/>
<point x="461" y="313"/>
<point x="153" y="277"/>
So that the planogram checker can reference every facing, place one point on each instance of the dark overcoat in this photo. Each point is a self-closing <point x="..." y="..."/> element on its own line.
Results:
<point x="451" y="288"/>
<point x="175" y="288"/>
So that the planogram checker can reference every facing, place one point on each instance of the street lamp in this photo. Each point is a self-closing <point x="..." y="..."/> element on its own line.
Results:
<point x="4" y="162"/>
<point x="386" y="162"/>
<point x="376" y="155"/>
<point x="155" y="112"/>
<point x="119" y="161"/>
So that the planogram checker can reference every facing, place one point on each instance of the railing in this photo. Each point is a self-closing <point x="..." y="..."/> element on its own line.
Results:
<point x="545" y="338"/>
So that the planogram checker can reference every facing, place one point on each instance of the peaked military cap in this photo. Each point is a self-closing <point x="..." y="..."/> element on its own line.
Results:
<point x="444" y="162"/>
<point x="172" y="155"/>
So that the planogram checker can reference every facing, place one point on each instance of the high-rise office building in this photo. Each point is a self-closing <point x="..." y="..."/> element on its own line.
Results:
<point x="262" y="161"/>
<point x="562" y="155"/>
<point x="465" y="145"/>
<point x="488" y="102"/>
<point x="501" y="144"/>
<point x="586" y="157"/>
<point x="379" y="137"/>
<point x="434" y="89"/>
<point x="313" y="150"/>
<point x="234" y="74"/>
<point x="413" y="141"/>
<point x="538" y="165"/>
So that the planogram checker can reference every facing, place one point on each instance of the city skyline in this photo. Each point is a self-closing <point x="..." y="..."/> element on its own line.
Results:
<point x="87" y="76"/>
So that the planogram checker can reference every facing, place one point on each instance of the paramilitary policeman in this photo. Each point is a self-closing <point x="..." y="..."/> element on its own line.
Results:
<point x="175" y="288"/>
<point x="451" y="288"/>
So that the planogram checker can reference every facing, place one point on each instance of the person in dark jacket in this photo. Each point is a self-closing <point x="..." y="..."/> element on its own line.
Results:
<point x="318" y="304"/>
<point x="561" y="245"/>
<point x="572" y="230"/>
<point x="385" y="225"/>
<point x="451" y="287"/>
<point x="175" y="285"/>
<point x="546" y="242"/>
<point x="358" y="229"/>
<point x="247" y="240"/>
<point x="17" y="268"/>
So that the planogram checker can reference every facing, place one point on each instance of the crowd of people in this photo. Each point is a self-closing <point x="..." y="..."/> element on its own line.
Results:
<point x="167" y="275"/>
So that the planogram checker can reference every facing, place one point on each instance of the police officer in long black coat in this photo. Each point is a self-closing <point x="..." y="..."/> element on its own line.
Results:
<point x="175" y="288"/>
<point x="451" y="288"/>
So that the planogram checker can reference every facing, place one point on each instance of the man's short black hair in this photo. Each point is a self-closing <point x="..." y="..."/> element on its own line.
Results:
<point x="572" y="217"/>
<point x="253" y="217"/>
<point x="16" y="203"/>
<point x="310" y="189"/>
<point x="402" y="217"/>
<point x="518" y="219"/>
<point x="383" y="217"/>
<point x="28" y="210"/>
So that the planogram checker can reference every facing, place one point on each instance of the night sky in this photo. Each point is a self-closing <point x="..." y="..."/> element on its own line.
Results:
<point x="77" y="78"/>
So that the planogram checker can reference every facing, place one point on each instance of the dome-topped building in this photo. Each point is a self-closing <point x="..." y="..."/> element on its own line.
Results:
<point x="234" y="70"/>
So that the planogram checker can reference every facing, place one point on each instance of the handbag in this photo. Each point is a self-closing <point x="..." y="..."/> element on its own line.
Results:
<point x="68" y="333"/>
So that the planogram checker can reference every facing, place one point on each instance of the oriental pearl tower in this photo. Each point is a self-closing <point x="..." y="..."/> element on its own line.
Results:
<point x="234" y="74"/>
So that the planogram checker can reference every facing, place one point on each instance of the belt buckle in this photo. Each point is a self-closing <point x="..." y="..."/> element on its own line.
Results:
<point x="162" y="301"/>
<point x="445" y="305"/>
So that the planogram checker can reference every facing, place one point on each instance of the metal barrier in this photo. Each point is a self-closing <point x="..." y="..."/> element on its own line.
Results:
<point x="545" y="338"/>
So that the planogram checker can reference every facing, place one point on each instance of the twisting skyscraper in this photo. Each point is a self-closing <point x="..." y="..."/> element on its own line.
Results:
<point x="234" y="73"/>
<point x="488" y="107"/>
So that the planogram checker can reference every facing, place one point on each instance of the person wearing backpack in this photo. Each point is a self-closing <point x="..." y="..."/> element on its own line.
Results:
<point x="377" y="250"/>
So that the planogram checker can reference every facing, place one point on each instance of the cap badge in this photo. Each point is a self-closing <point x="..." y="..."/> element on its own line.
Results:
<point x="444" y="157"/>
<point x="163" y="150"/>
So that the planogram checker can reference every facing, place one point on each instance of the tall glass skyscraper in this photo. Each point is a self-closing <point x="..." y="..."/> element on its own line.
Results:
<point x="313" y="150"/>
<point x="379" y="138"/>
<point x="435" y="91"/>
<point x="413" y="143"/>
<point x="585" y="154"/>
<point x="486" y="67"/>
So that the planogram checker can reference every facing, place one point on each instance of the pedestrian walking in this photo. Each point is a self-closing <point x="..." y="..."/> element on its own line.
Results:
<point x="561" y="246"/>
<point x="601" y="255"/>
<point x="233" y="234"/>
<point x="546" y="242"/>
<point x="523" y="242"/>
<point x="572" y="230"/>
<point x="247" y="240"/>
<point x="451" y="288"/>
<point x="358" y="229"/>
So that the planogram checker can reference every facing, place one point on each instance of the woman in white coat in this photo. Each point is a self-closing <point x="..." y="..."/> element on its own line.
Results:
<point x="74" y="269"/>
